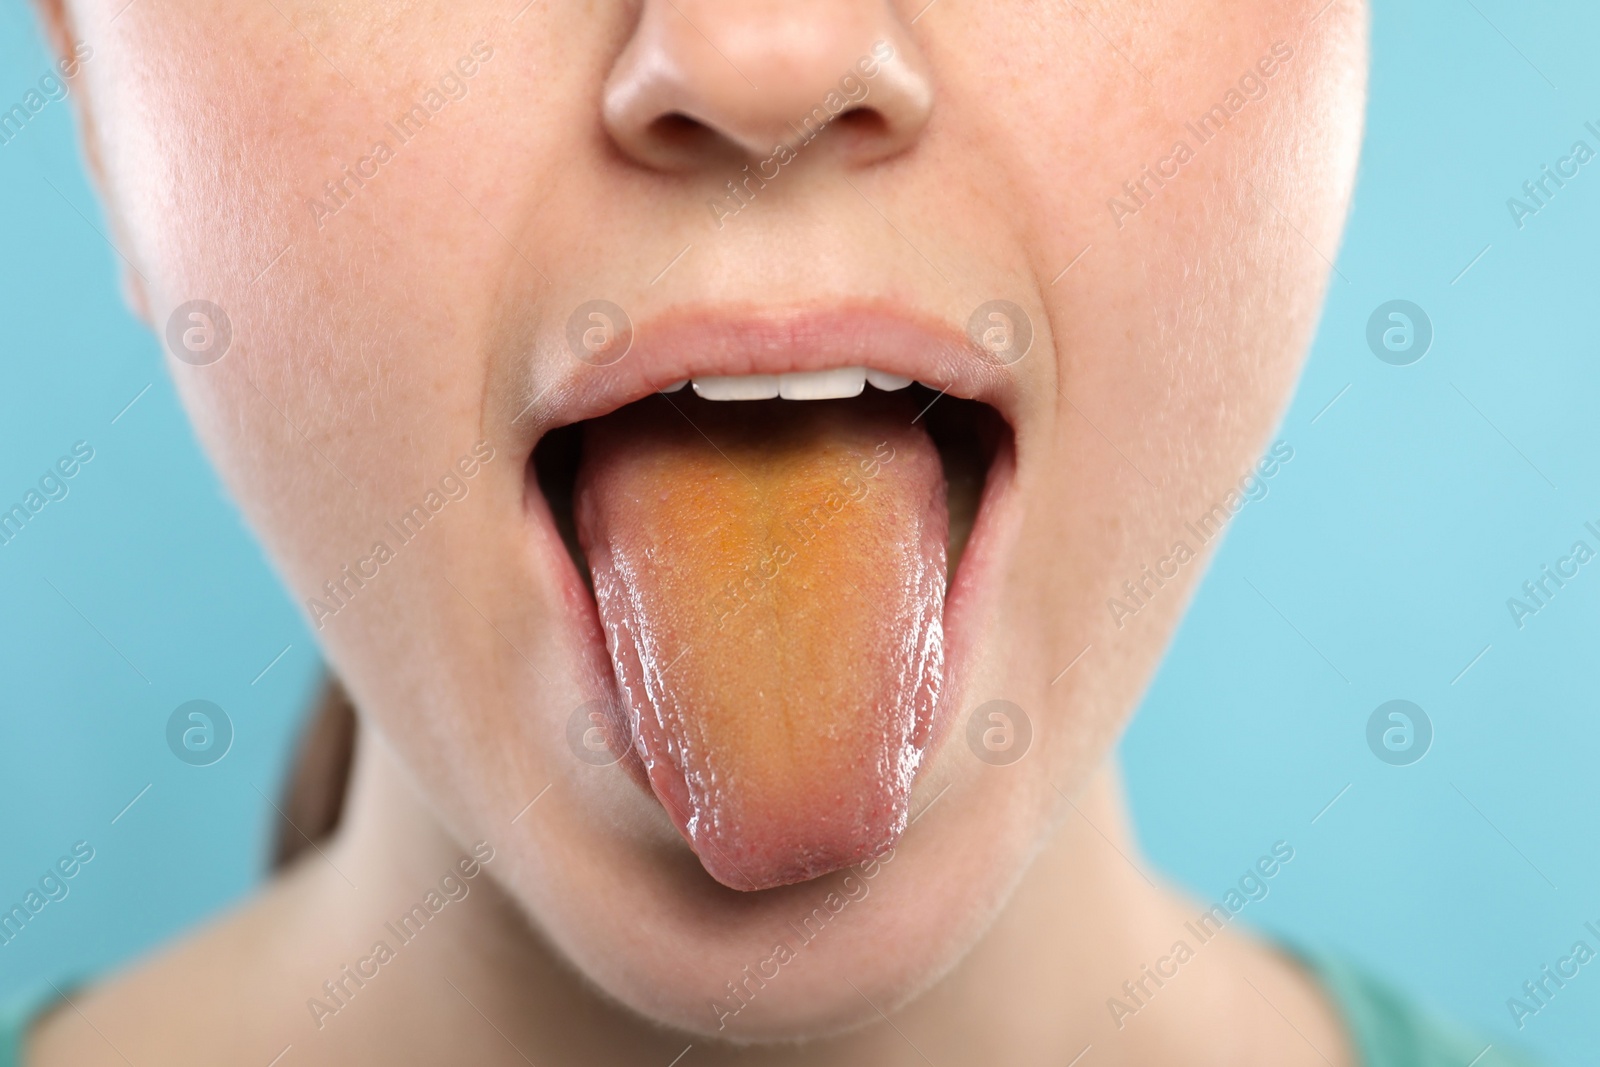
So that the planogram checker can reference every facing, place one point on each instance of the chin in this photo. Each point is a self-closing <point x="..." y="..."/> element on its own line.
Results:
<point x="652" y="931"/>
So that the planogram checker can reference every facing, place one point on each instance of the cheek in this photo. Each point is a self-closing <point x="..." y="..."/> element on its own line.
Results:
<point x="1179" y="333"/>
<point x="356" y="376"/>
<point x="345" y="329"/>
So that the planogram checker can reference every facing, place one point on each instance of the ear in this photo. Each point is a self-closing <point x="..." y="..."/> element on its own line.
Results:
<point x="59" y="25"/>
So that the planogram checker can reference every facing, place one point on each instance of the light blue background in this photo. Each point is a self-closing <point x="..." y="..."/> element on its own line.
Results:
<point x="1380" y="565"/>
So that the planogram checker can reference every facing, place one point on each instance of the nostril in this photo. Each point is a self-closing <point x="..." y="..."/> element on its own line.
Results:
<point x="676" y="128"/>
<point x="679" y="139"/>
<point x="863" y="122"/>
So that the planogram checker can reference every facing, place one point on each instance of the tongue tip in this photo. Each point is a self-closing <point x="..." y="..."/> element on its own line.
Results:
<point x="788" y="847"/>
<point x="772" y="868"/>
<point x="771" y="839"/>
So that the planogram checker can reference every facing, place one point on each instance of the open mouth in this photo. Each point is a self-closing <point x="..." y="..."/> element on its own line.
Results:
<point x="775" y="563"/>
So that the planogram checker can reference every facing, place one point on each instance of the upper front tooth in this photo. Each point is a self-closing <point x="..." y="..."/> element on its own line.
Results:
<point x="882" y="379"/>
<point x="675" y="386"/>
<point x="822" y="384"/>
<point x="741" y="387"/>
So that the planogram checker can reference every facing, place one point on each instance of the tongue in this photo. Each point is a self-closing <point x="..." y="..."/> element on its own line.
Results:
<point x="771" y="577"/>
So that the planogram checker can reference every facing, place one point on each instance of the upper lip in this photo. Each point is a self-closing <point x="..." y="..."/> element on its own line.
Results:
<point x="710" y="342"/>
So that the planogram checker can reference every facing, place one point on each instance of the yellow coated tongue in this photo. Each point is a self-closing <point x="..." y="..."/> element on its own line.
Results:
<point x="771" y="577"/>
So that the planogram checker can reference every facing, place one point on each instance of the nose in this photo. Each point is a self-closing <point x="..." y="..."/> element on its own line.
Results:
<point x="702" y="82"/>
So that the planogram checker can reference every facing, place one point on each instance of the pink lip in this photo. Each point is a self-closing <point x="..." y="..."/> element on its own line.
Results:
<point x="683" y="345"/>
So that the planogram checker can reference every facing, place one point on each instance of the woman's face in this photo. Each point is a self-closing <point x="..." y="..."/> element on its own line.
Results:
<point x="403" y="210"/>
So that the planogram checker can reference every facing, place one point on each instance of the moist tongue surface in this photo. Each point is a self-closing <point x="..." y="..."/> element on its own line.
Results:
<point x="770" y="576"/>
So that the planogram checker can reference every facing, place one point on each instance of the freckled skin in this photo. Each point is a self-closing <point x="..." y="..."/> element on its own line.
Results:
<point x="772" y="599"/>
